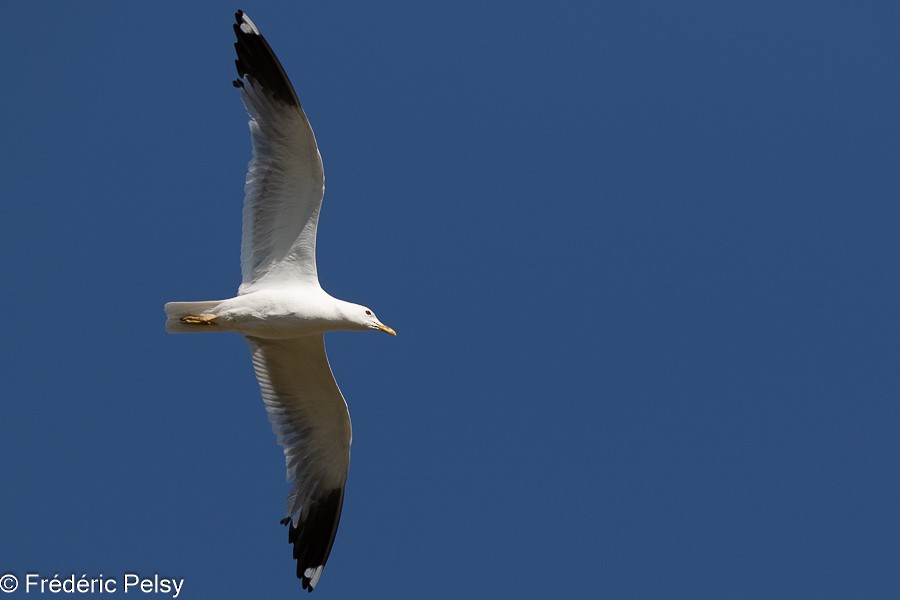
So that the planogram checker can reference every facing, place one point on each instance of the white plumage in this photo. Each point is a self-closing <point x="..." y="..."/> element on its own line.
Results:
<point x="281" y="309"/>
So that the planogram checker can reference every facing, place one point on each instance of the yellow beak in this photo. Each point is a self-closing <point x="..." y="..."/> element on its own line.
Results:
<point x="385" y="329"/>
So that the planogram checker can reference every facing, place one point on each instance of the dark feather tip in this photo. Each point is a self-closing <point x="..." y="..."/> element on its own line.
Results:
<point x="314" y="536"/>
<point x="257" y="63"/>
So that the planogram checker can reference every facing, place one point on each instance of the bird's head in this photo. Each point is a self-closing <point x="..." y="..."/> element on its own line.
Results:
<point x="358" y="317"/>
<point x="366" y="318"/>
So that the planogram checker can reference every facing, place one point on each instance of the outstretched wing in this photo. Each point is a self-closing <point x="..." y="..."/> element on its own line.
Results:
<point x="310" y="419"/>
<point x="285" y="181"/>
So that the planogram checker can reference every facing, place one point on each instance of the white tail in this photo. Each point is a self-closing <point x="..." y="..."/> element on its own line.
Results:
<point x="176" y="310"/>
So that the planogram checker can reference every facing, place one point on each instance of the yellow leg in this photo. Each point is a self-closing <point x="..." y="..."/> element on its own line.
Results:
<point x="199" y="319"/>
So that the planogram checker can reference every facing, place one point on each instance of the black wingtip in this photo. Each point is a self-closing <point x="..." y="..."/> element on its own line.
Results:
<point x="257" y="62"/>
<point x="314" y="536"/>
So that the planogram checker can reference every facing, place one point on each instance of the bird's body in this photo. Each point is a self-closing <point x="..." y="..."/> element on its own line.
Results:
<point x="272" y="313"/>
<point x="281" y="309"/>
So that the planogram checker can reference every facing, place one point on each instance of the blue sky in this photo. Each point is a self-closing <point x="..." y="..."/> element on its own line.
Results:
<point x="641" y="257"/>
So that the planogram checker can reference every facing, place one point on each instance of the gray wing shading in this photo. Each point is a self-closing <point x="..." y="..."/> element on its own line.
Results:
<point x="285" y="180"/>
<point x="310" y="419"/>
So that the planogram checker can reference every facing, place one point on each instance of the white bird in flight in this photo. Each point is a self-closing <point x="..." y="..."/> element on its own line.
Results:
<point x="281" y="309"/>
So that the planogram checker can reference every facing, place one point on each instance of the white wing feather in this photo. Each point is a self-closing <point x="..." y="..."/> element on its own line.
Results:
<point x="310" y="419"/>
<point x="307" y="412"/>
<point x="285" y="179"/>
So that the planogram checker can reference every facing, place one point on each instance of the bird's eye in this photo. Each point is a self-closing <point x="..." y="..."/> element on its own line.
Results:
<point x="369" y="312"/>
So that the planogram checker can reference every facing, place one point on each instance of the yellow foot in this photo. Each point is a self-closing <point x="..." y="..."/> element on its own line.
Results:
<point x="199" y="319"/>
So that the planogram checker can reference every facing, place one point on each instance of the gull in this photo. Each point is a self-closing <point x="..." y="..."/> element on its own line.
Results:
<point x="281" y="310"/>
